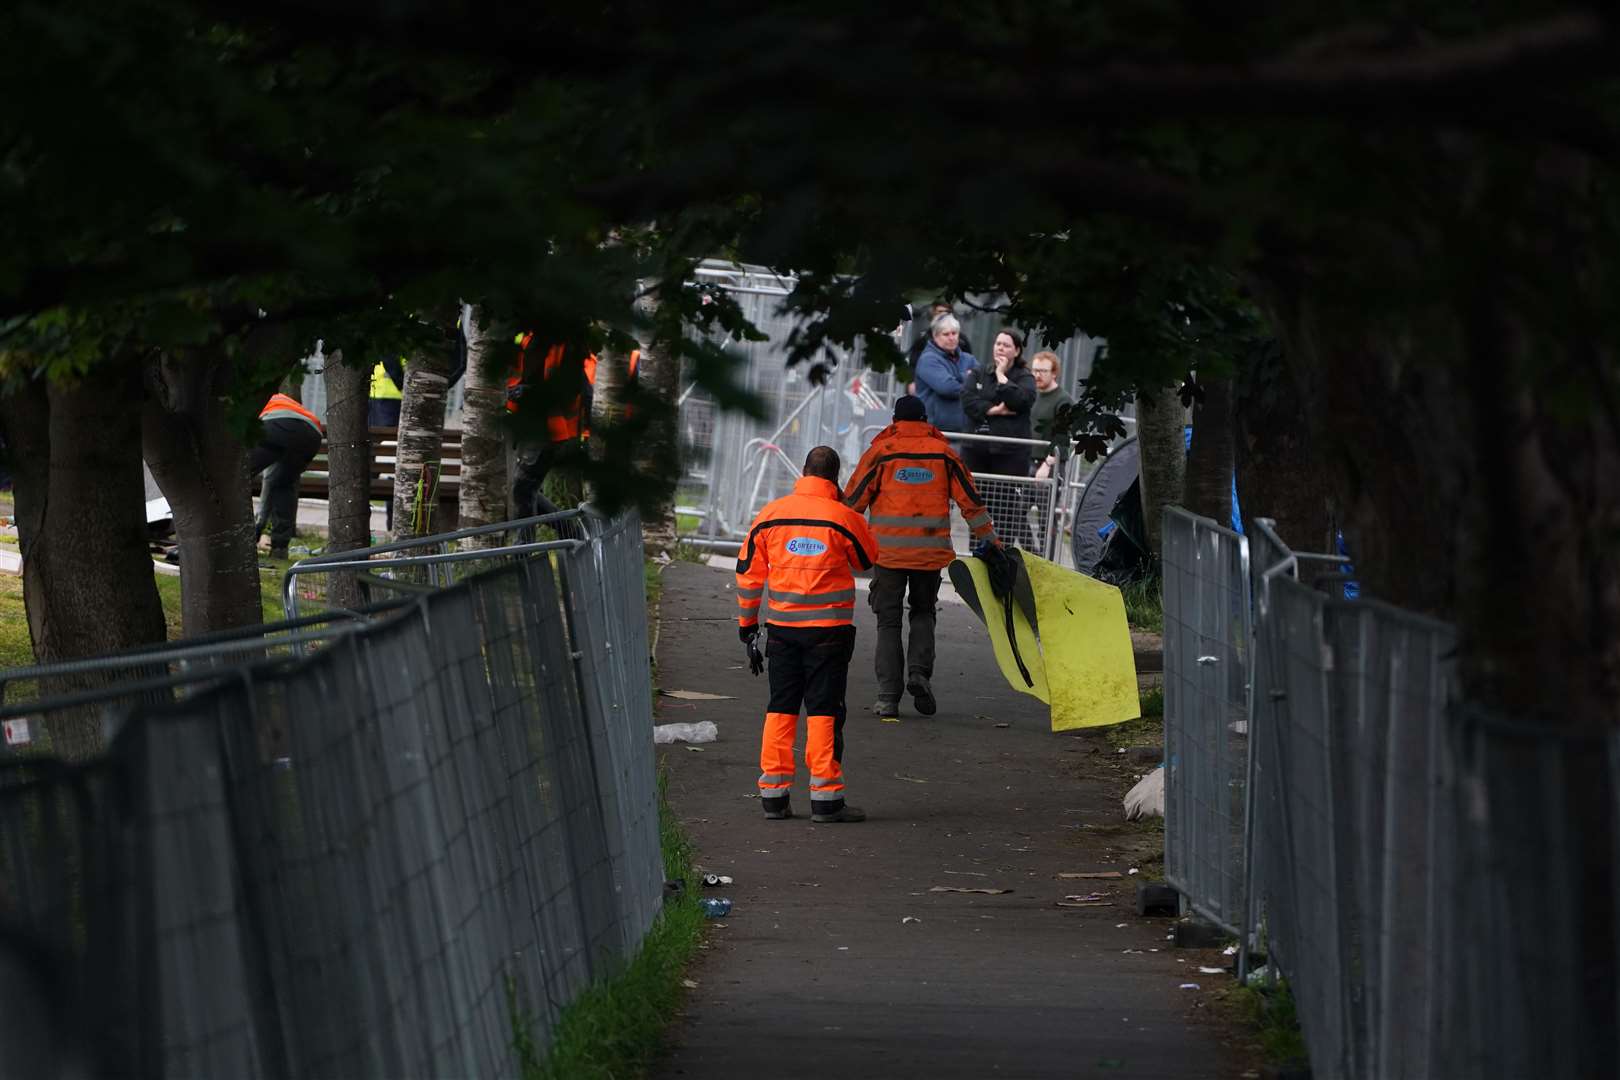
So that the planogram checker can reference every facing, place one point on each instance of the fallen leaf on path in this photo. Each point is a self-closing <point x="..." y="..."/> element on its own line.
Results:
<point x="1191" y="986"/>
<point x="909" y="918"/>
<point x="1087" y="896"/>
<point x="1211" y="971"/>
<point x="695" y="695"/>
<point x="1093" y="874"/>
<point x="695" y="749"/>
<point x="967" y="873"/>
<point x="689" y="984"/>
<point x="909" y="779"/>
<point x="1003" y="725"/>
<point x="958" y="888"/>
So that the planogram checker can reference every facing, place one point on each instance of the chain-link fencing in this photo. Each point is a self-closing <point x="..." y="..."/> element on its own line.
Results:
<point x="734" y="464"/>
<point x="1207" y="650"/>
<point x="384" y="858"/>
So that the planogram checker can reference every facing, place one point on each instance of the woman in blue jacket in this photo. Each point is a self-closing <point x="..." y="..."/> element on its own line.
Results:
<point x="941" y="368"/>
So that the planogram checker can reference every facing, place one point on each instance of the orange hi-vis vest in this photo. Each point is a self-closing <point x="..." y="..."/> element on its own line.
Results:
<point x="908" y="478"/>
<point x="801" y="548"/>
<point x="282" y="407"/>
<point x="569" y="423"/>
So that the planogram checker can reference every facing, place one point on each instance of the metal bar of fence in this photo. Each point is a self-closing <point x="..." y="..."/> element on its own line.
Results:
<point x="995" y="440"/>
<point x="331" y="562"/>
<point x="85" y="697"/>
<point x="437" y="539"/>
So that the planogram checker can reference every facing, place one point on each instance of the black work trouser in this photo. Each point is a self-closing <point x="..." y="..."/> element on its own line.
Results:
<point x="887" y="597"/>
<point x="1007" y="500"/>
<point x="809" y="668"/>
<point x="531" y="464"/>
<point x="286" y="447"/>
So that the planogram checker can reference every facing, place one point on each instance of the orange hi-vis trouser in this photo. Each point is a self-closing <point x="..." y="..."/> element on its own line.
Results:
<point x="809" y="666"/>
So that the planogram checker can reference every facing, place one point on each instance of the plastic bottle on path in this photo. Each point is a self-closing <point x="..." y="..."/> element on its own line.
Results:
<point x="715" y="907"/>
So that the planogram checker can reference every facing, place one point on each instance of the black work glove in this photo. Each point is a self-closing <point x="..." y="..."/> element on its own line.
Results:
<point x="1000" y="567"/>
<point x="749" y="636"/>
<point x="513" y="393"/>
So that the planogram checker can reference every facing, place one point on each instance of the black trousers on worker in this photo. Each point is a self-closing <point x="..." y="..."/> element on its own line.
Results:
<point x="809" y="668"/>
<point x="531" y="463"/>
<point x="1007" y="500"/>
<point x="286" y="447"/>
<point x="887" y="597"/>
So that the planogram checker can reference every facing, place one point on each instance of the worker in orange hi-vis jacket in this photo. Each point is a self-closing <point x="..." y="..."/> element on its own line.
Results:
<point x="802" y="551"/>
<point x="290" y="437"/>
<point x="908" y="479"/>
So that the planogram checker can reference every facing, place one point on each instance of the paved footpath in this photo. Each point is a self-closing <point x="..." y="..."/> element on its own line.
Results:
<point x="839" y="962"/>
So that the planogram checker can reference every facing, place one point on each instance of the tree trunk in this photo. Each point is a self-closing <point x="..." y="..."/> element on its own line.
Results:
<point x="81" y="516"/>
<point x="1280" y="474"/>
<point x="348" y="463"/>
<point x="1496" y="508"/>
<point x="1161" y="442"/>
<point x="1389" y="427"/>
<point x="659" y="460"/>
<point x="200" y="464"/>
<point x="484" y="487"/>
<point x="1208" y="483"/>
<point x="421" y="441"/>
<point x="607" y="414"/>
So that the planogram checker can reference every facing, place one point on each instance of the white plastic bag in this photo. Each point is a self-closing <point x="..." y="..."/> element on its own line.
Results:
<point x="1147" y="797"/>
<point x="703" y="731"/>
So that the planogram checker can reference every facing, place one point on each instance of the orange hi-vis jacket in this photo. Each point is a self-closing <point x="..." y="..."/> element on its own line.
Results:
<point x="282" y="407"/>
<point x="802" y="548"/>
<point x="908" y="478"/>
<point x="569" y="423"/>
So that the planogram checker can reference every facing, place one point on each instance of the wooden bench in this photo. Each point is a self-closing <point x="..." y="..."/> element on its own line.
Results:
<point x="384" y="443"/>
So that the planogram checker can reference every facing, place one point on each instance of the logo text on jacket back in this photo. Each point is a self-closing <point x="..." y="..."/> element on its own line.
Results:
<point x="805" y="545"/>
<point x="914" y="474"/>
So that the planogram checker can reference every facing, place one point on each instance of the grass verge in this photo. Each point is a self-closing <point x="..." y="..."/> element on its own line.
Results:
<point x="1144" y="604"/>
<point x="17" y="650"/>
<point x="1148" y="730"/>
<point x="1273" y="1016"/>
<point x="615" y="1030"/>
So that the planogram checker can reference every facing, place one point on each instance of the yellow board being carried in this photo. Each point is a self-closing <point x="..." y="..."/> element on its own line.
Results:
<point x="1075" y="654"/>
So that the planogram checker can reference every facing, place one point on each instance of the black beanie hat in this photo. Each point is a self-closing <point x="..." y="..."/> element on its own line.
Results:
<point x="908" y="407"/>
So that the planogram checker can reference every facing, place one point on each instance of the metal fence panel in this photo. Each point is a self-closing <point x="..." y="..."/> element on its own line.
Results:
<point x="1206" y="714"/>
<point x="343" y="865"/>
<point x="734" y="464"/>
<point x="1351" y="831"/>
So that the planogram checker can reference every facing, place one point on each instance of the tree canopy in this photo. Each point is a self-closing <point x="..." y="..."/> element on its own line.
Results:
<point x="1418" y="199"/>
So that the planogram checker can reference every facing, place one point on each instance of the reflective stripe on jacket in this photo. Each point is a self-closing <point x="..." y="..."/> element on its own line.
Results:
<point x="908" y="479"/>
<point x="801" y="549"/>
<point x="282" y="407"/>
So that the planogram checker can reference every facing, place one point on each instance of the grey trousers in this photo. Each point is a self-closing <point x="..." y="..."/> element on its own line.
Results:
<point x="887" y="597"/>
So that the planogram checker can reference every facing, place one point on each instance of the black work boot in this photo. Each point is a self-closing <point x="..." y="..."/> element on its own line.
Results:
<point x="777" y="809"/>
<point x="845" y="813"/>
<point x="886" y="710"/>
<point x="922" y="695"/>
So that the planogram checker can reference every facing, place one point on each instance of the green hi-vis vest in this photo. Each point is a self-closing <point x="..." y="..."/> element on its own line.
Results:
<point x="381" y="385"/>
